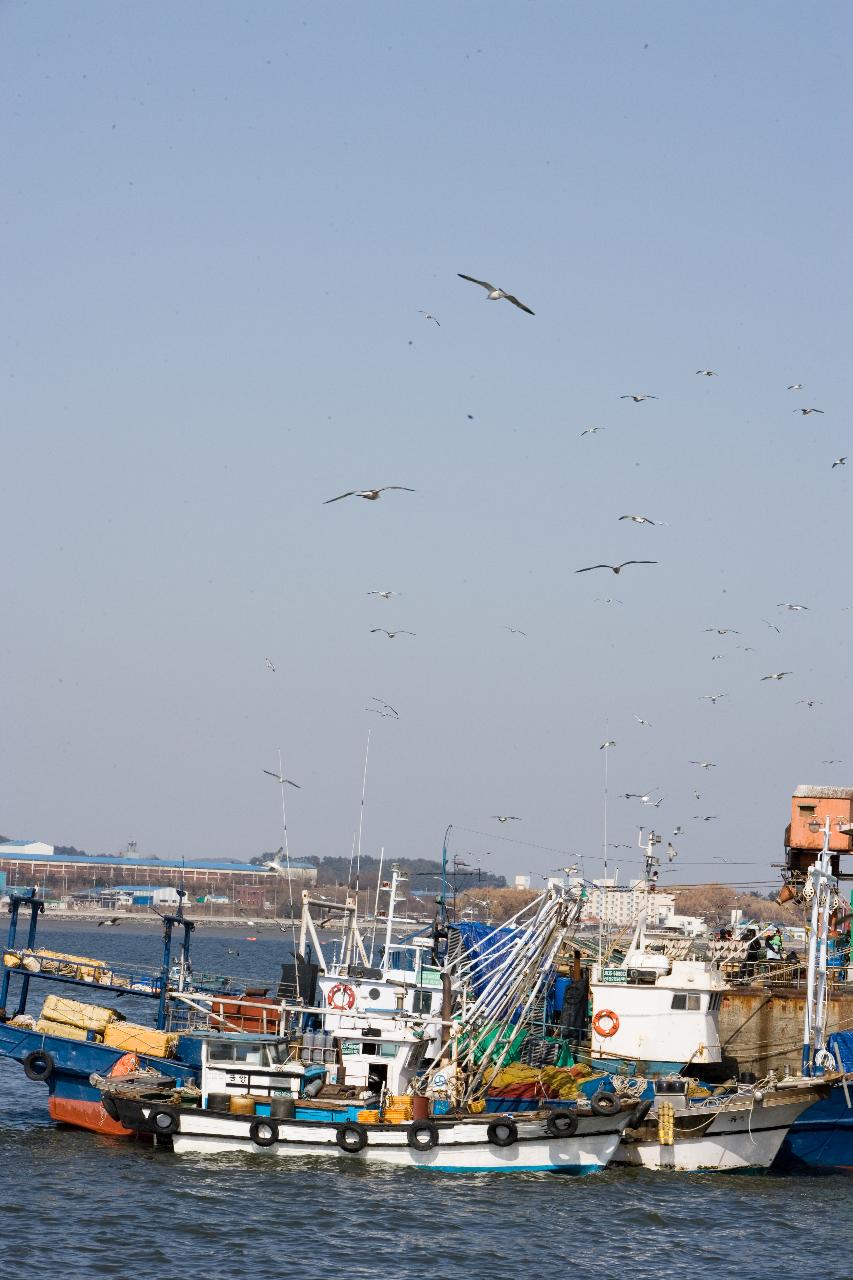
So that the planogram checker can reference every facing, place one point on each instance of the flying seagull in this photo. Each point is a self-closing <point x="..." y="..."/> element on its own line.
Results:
<point x="268" y="661"/>
<point x="590" y="431"/>
<point x="635" y="795"/>
<point x="611" y="742"/>
<point x="809" y="702"/>
<point x="506" y="817"/>
<point x="642" y="520"/>
<point x="370" y="494"/>
<point x="772" y="625"/>
<point x="671" y="852"/>
<point x="796" y="386"/>
<point x="708" y="817"/>
<point x="638" y="399"/>
<point x="839" y="462"/>
<point x="679" y="831"/>
<point x="616" y="568"/>
<point x="704" y="764"/>
<point x="723" y="631"/>
<point x="496" y="294"/>
<point x="708" y="373"/>
<point x="515" y="631"/>
<point x="656" y="804"/>
<point x="275" y="864"/>
<point x="805" y="412"/>
<point x="777" y="675"/>
<point x="391" y="634"/>
<point x="612" y="600"/>
<point x="795" y="608"/>
<point x="711" y="697"/>
<point x="428" y="316"/>
<point x="715" y="657"/>
<point x="386" y="595"/>
<point x="112" y="920"/>
<point x="640" y="720"/>
<point x="282" y="780"/>
<point x="832" y="762"/>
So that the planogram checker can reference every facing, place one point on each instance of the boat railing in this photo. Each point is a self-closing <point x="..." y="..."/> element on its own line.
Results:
<point x="80" y="971"/>
<point x="778" y="973"/>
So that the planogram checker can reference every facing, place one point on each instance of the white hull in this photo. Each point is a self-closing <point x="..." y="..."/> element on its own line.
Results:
<point x="742" y="1139"/>
<point x="462" y="1146"/>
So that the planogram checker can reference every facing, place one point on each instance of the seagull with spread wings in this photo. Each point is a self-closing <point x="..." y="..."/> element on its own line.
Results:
<point x="494" y="294"/>
<point x="777" y="675"/>
<point x="704" y="764"/>
<point x="386" y="595"/>
<point x="839" y="462"/>
<point x="506" y="817"/>
<point x="281" y="780"/>
<point x="614" y="568"/>
<point x="793" y="608"/>
<point x="391" y="634"/>
<point x="370" y="494"/>
<point x="707" y="373"/>
<point x="590" y="431"/>
<point x="638" y="399"/>
<point x="642" y="520"/>
<point x="515" y="631"/>
<point x="711" y="697"/>
<point x="806" y="412"/>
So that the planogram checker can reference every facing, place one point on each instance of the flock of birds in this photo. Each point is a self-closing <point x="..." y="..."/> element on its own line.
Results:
<point x="648" y="798"/>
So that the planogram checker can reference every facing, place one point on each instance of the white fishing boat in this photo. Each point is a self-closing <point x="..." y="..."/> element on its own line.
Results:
<point x="742" y="1130"/>
<point x="407" y="1033"/>
<point x="563" y="1141"/>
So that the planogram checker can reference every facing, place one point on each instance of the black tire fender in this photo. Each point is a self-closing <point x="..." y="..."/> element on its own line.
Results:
<point x="561" y="1124"/>
<point x="264" y="1133"/>
<point x="503" y="1132"/>
<point x="351" y="1137"/>
<point x="163" y="1121"/>
<point x="639" y="1114"/>
<point x="604" y="1103"/>
<point x="38" y="1065"/>
<point x="422" y="1135"/>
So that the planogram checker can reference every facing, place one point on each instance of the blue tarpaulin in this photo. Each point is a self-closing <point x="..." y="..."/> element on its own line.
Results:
<point x="840" y="1046"/>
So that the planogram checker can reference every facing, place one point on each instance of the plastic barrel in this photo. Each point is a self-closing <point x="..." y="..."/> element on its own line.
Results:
<point x="218" y="1101"/>
<point x="280" y="1108"/>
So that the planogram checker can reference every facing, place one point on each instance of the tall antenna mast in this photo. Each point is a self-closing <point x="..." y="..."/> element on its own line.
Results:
<point x="361" y="813"/>
<point x="603" y="894"/>
<point x="281" y="782"/>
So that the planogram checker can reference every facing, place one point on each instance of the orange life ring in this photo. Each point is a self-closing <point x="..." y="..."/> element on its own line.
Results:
<point x="341" y="996"/>
<point x="612" y="1020"/>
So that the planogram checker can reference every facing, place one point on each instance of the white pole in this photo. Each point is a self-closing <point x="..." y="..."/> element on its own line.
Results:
<point x="816" y="984"/>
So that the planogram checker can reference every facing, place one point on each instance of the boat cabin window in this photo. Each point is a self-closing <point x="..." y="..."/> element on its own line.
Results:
<point x="685" y="1000"/>
<point x="422" y="1002"/>
<point x="235" y="1051"/>
<point x="417" y="1053"/>
<point x="379" y="1049"/>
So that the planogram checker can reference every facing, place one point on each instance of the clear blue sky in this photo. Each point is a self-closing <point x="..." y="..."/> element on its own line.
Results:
<point x="220" y="223"/>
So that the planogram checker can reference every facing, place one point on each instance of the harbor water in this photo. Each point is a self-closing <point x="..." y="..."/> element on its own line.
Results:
<point x="84" y="1206"/>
